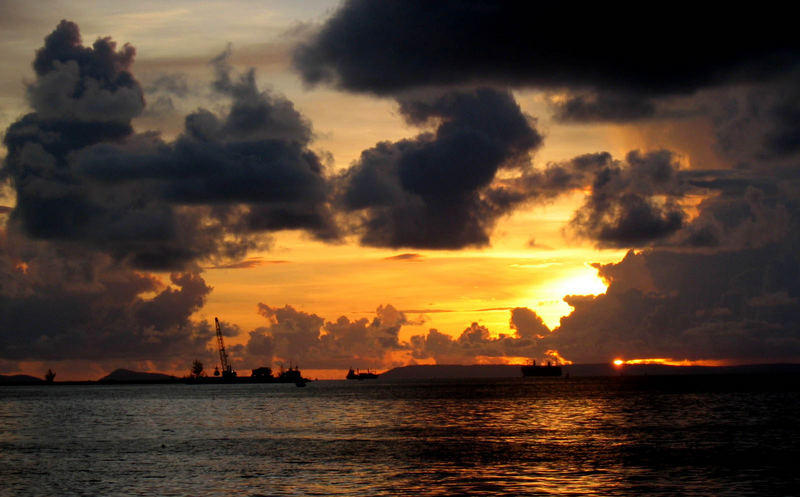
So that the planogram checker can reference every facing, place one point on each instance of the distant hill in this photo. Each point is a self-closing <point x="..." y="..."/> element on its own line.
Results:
<point x="453" y="371"/>
<point x="128" y="376"/>
<point x="20" y="379"/>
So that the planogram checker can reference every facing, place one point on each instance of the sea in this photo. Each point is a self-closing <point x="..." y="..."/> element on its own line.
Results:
<point x="712" y="435"/>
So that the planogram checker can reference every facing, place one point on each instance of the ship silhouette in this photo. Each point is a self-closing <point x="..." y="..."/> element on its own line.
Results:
<point x="546" y="370"/>
<point x="358" y="375"/>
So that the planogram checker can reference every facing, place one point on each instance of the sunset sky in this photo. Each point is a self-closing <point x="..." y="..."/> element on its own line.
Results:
<point x="374" y="184"/>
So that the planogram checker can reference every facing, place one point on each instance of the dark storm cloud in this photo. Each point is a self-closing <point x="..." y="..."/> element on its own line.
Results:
<point x="622" y="209"/>
<point x="736" y="219"/>
<point x="309" y="340"/>
<point x="385" y="47"/>
<point x="60" y="304"/>
<point x="434" y="191"/>
<point x="82" y="176"/>
<point x="757" y="125"/>
<point x="604" y="107"/>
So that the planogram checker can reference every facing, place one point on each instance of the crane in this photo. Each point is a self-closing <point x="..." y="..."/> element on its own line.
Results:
<point x="227" y="369"/>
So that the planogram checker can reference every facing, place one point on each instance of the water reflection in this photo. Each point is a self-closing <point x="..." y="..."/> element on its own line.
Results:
<point x="612" y="436"/>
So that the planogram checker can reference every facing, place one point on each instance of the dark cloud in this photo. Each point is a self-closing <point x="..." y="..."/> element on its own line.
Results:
<point x="528" y="324"/>
<point x="739" y="220"/>
<point x="82" y="176"/>
<point x="603" y="107"/>
<point x="96" y="202"/>
<point x="310" y="341"/>
<point x="623" y="210"/>
<point x="61" y="304"/>
<point x="757" y="125"/>
<point x="386" y="47"/>
<point x="92" y="84"/>
<point x="434" y="191"/>
<point x="735" y="305"/>
<point x="256" y="114"/>
<point x="476" y="343"/>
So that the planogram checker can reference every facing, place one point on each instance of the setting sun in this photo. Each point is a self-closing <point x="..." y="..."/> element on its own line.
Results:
<point x="667" y="361"/>
<point x="580" y="281"/>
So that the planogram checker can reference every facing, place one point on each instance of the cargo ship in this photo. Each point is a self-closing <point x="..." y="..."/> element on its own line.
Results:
<point x="546" y="370"/>
<point x="357" y="375"/>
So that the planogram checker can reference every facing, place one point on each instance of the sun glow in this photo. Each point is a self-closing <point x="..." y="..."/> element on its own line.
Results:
<point x="581" y="280"/>
<point x="666" y="361"/>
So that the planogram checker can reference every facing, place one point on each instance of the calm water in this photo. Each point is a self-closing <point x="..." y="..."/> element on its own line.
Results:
<point x="581" y="436"/>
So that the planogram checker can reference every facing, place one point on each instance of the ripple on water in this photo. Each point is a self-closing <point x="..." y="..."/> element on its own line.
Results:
<point x="591" y="436"/>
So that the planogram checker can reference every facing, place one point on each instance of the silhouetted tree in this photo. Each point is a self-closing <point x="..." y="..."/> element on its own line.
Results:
<point x="197" y="369"/>
<point x="49" y="376"/>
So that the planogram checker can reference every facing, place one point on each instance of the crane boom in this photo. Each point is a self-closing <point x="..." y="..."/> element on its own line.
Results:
<point x="227" y="369"/>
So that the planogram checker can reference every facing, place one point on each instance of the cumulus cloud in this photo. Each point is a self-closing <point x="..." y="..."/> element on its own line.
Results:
<point x="307" y="339"/>
<point x="88" y="84"/>
<point x="435" y="190"/>
<point x="82" y="176"/>
<point x="476" y="343"/>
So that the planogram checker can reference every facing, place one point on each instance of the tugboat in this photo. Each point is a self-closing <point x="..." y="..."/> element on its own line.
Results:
<point x="357" y="375"/>
<point x="547" y="370"/>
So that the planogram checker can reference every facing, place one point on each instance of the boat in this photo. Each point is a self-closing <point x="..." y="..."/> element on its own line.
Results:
<point x="358" y="375"/>
<point x="291" y="375"/>
<point x="545" y="370"/>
